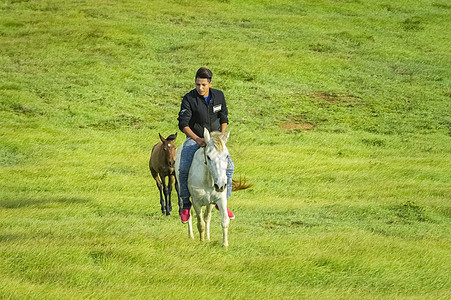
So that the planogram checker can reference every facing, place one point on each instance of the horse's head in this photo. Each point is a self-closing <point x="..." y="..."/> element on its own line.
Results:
<point x="216" y="154"/>
<point x="169" y="149"/>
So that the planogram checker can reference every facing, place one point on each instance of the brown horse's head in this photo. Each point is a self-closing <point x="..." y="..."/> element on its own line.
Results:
<point x="169" y="149"/>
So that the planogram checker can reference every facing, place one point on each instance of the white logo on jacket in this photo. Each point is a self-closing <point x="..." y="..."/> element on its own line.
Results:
<point x="217" y="108"/>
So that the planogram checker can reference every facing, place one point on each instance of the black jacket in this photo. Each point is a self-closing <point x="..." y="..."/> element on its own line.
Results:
<point x="197" y="114"/>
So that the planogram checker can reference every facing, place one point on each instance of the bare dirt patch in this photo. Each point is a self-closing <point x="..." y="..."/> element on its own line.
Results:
<point x="293" y="126"/>
<point x="335" y="98"/>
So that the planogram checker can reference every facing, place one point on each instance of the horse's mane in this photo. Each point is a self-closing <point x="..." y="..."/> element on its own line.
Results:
<point x="219" y="140"/>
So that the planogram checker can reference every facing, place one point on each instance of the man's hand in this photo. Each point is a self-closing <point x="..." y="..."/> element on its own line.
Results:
<point x="200" y="141"/>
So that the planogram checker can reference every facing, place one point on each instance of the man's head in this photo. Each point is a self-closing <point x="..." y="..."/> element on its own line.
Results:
<point x="204" y="73"/>
<point x="203" y="81"/>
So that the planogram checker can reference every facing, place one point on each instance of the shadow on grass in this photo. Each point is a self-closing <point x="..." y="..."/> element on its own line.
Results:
<point x="10" y="237"/>
<point x="14" y="203"/>
<point x="407" y="220"/>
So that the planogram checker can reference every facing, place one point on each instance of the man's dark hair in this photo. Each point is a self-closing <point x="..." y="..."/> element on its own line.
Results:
<point x="204" y="73"/>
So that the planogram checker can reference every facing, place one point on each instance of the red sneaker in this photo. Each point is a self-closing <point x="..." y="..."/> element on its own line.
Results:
<point x="185" y="215"/>
<point x="229" y="212"/>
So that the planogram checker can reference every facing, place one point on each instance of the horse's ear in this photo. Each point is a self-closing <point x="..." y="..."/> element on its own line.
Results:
<point x="206" y="135"/>
<point x="162" y="138"/>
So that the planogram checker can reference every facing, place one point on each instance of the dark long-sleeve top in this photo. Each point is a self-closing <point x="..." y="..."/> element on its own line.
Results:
<point x="197" y="114"/>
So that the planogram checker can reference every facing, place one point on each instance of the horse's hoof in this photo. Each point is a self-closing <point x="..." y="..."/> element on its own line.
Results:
<point x="168" y="213"/>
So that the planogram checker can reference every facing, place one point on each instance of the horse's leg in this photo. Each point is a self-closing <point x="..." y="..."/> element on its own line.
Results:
<point x="190" y="228"/>
<point x="207" y="218"/>
<point x="160" y="188"/>
<point x="200" y="220"/>
<point x="222" y="205"/>
<point x="165" y="190"/>
<point x="170" y="184"/>
<point x="179" y="200"/>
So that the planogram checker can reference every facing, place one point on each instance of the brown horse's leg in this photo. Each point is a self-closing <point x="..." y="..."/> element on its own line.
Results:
<point x="160" y="188"/>
<point x="171" y="179"/>
<point x="179" y="200"/>
<point x="165" y="191"/>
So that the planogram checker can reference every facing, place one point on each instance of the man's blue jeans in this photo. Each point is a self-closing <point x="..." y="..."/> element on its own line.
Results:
<point x="186" y="158"/>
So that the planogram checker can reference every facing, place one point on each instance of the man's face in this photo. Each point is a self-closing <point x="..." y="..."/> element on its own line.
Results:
<point x="203" y="86"/>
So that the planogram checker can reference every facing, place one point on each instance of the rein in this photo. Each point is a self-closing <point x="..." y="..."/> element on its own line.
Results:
<point x="205" y="155"/>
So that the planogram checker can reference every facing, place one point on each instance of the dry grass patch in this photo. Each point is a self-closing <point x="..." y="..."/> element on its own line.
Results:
<point x="335" y="98"/>
<point x="292" y="126"/>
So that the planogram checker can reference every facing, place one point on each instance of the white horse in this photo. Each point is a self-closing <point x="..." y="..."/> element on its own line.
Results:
<point x="207" y="183"/>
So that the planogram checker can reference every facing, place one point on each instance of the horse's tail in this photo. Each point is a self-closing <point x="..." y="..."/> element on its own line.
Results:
<point x="240" y="184"/>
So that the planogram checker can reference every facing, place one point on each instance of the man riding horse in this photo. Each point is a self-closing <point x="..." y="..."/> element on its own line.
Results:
<point x="202" y="107"/>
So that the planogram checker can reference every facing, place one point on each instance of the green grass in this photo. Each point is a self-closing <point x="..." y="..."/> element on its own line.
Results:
<point x="340" y="116"/>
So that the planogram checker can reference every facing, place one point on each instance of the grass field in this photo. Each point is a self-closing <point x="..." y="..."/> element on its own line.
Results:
<point x="340" y="115"/>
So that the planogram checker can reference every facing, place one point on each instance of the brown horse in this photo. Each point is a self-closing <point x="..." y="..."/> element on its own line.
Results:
<point x="161" y="164"/>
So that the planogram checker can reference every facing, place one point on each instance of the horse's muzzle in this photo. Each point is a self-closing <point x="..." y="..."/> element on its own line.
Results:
<point x="220" y="189"/>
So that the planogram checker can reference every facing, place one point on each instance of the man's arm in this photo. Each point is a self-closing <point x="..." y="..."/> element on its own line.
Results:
<point x="184" y="114"/>
<point x="223" y="128"/>
<point x="200" y="141"/>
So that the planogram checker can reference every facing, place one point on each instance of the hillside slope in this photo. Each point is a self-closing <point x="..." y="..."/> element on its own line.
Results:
<point x="340" y="116"/>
